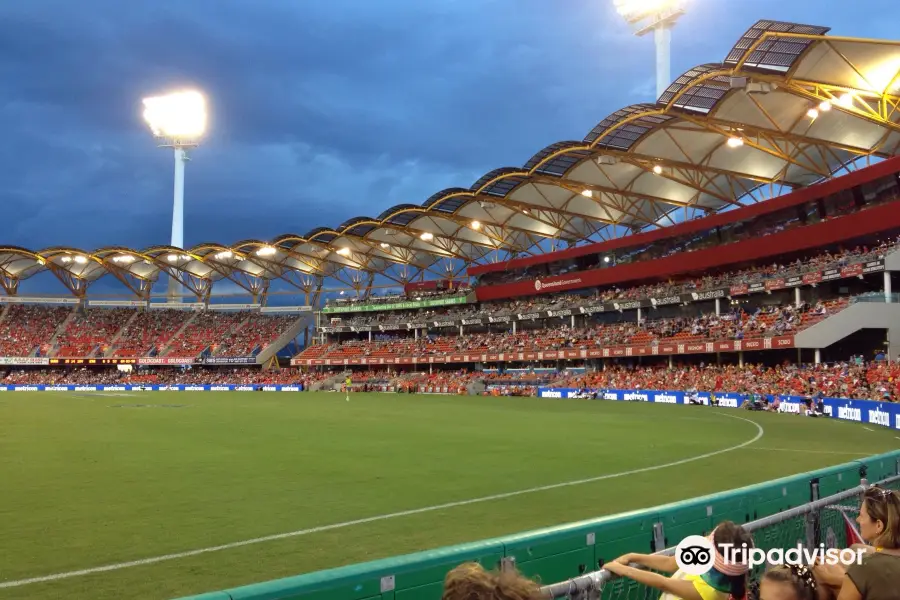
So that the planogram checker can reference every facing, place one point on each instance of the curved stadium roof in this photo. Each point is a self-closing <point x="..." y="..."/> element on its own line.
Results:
<point x="636" y="166"/>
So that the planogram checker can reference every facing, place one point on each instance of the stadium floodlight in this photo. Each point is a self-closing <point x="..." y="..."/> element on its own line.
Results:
<point x="658" y="16"/>
<point x="178" y="121"/>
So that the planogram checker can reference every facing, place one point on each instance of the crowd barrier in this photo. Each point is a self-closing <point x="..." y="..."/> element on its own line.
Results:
<point x="886" y="414"/>
<point x="567" y="551"/>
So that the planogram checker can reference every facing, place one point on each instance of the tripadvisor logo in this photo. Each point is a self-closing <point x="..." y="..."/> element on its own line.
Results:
<point x="696" y="555"/>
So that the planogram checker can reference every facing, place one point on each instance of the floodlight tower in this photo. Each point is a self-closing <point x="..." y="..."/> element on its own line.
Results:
<point x="658" y="16"/>
<point x="178" y="121"/>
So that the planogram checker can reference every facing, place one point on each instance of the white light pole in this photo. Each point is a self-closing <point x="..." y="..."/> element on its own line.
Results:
<point x="658" y="16"/>
<point x="178" y="121"/>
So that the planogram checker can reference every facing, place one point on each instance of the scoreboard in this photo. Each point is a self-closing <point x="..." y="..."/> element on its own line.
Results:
<point x="93" y="361"/>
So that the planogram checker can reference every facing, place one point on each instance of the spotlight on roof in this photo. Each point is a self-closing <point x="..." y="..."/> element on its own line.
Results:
<point x="813" y="113"/>
<point x="587" y="193"/>
<point x="825" y="105"/>
<point x="607" y="160"/>
<point x="476" y="225"/>
<point x="66" y="259"/>
<point x="80" y="259"/>
<point x="846" y="100"/>
<point x="344" y="251"/>
<point x="124" y="258"/>
<point x="266" y="251"/>
<point x="224" y="254"/>
<point x="427" y="237"/>
<point x="385" y="246"/>
<point x="172" y="258"/>
<point x="657" y="169"/>
<point x="735" y="142"/>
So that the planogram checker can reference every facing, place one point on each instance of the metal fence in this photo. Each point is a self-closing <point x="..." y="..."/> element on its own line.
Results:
<point x="820" y="521"/>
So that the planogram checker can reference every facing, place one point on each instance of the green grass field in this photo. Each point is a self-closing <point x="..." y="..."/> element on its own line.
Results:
<point x="88" y="480"/>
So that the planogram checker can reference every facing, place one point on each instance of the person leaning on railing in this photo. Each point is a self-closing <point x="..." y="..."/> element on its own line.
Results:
<point x="877" y="577"/>
<point x="723" y="581"/>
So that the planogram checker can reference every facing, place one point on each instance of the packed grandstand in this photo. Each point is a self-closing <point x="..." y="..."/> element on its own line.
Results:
<point x="744" y="289"/>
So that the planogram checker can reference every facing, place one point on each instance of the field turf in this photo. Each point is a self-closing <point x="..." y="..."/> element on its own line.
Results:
<point x="94" y="479"/>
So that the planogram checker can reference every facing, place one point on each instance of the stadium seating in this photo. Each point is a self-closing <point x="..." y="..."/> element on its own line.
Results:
<point x="91" y="330"/>
<point x="736" y="325"/>
<point x="254" y="334"/>
<point x="150" y="331"/>
<point x="204" y="331"/>
<point x="756" y="274"/>
<point x="28" y="329"/>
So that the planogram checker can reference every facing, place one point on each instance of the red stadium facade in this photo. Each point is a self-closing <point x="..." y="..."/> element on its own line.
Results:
<point x="869" y="222"/>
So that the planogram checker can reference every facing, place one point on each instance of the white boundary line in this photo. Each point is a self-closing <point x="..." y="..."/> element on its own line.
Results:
<point x="404" y="513"/>
<point x="807" y="451"/>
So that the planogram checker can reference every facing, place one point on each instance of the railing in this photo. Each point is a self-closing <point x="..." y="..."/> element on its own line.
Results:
<point x="876" y="297"/>
<point x="822" y="520"/>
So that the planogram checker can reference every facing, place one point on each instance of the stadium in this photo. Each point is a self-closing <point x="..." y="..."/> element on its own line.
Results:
<point x="685" y="318"/>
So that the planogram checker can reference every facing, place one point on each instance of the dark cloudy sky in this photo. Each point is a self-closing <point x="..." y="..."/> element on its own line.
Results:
<point x="321" y="110"/>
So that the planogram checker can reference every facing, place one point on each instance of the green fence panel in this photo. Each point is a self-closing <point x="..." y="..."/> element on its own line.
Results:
<point x="410" y="577"/>
<point x="838" y="479"/>
<point x="620" y="534"/>
<point x="554" y="553"/>
<point x="882" y="466"/>
<point x="422" y="575"/>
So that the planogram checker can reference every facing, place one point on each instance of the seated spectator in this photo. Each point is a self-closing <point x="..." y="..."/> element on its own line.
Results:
<point x="788" y="582"/>
<point x="470" y="581"/>
<point x="877" y="577"/>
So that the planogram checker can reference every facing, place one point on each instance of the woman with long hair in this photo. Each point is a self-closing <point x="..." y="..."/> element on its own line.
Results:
<point x="877" y="576"/>
<point x="723" y="581"/>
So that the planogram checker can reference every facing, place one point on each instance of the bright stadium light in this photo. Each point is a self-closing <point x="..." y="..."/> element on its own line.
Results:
<point x="476" y="225"/>
<point x="658" y="16"/>
<point x="735" y="142"/>
<point x="427" y="237"/>
<point x="178" y="121"/>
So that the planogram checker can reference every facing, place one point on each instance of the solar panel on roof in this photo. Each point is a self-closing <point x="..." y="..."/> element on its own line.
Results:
<point x="385" y="214"/>
<point x="450" y="205"/>
<point x="540" y="156"/>
<point x="437" y="197"/>
<point x="403" y="218"/>
<point x="492" y="175"/>
<point x="773" y="54"/>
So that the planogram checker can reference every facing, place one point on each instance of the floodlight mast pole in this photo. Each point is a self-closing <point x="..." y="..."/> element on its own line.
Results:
<point x="178" y="206"/>
<point x="180" y="148"/>
<point x="662" y="35"/>
<point x="660" y="22"/>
